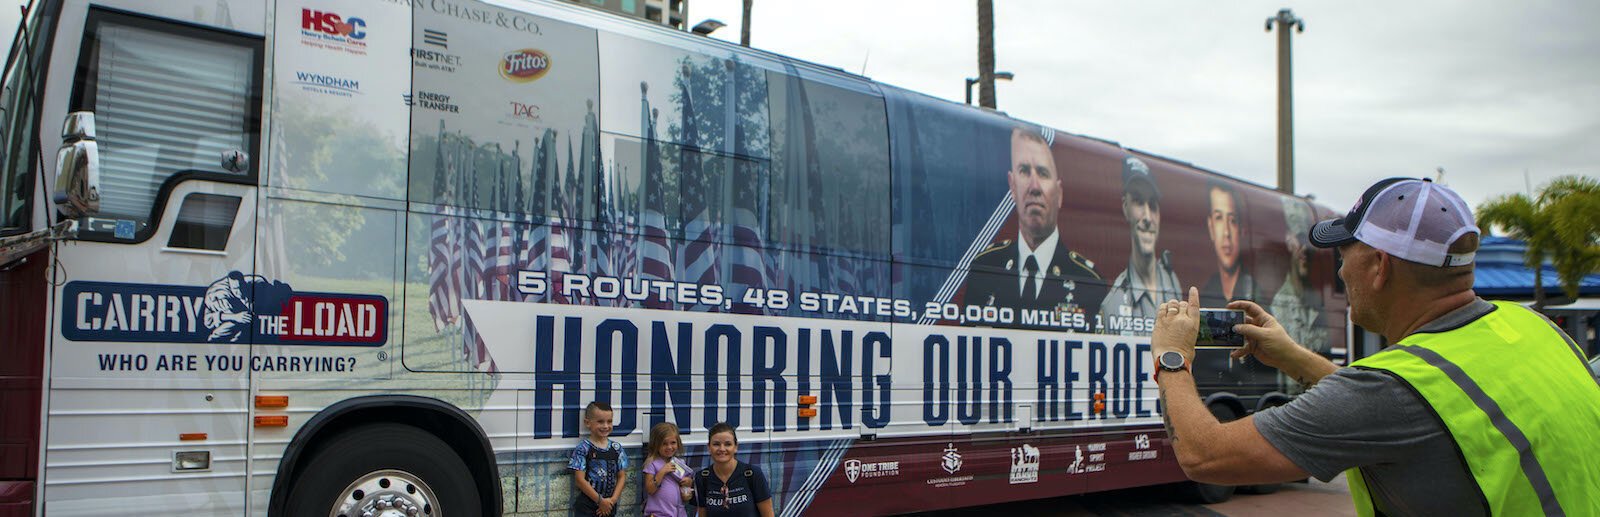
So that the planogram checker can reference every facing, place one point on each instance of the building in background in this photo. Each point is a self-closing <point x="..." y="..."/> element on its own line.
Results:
<point x="1502" y="275"/>
<point x="672" y="13"/>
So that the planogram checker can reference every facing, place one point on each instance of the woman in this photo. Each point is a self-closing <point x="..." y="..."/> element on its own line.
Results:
<point x="729" y="487"/>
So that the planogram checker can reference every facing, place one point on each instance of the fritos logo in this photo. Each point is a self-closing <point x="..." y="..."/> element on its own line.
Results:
<point x="525" y="65"/>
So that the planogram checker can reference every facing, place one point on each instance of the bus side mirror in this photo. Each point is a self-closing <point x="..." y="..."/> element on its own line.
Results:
<point x="78" y="167"/>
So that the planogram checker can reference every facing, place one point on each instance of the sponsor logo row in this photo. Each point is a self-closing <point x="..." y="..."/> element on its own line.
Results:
<point x="348" y="34"/>
<point x="1026" y="460"/>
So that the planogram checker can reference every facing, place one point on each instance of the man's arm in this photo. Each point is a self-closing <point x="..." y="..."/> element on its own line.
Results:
<point x="1209" y="451"/>
<point x="1268" y="342"/>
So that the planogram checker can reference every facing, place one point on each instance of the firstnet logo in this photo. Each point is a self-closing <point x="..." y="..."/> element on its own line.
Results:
<point x="332" y="24"/>
<point x="237" y="308"/>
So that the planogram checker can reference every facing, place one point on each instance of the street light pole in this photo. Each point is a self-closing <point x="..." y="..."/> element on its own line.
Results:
<point x="1003" y="76"/>
<point x="1285" y="20"/>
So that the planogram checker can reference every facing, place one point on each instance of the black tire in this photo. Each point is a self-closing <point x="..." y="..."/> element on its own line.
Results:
<point x="417" y="463"/>
<point x="1206" y="493"/>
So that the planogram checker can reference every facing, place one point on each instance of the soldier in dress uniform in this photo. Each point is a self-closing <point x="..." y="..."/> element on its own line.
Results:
<point x="1036" y="271"/>
<point x="1130" y="308"/>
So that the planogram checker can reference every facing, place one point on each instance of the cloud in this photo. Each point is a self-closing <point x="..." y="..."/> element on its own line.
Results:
<point x="1484" y="89"/>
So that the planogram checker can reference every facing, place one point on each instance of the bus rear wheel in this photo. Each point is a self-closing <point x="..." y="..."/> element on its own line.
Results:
<point x="384" y="469"/>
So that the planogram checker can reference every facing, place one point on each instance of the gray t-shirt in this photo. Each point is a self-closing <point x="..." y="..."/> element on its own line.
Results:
<point x="1373" y="420"/>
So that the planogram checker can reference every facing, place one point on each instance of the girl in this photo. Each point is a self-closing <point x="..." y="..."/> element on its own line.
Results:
<point x="666" y="478"/>
<point x="729" y="487"/>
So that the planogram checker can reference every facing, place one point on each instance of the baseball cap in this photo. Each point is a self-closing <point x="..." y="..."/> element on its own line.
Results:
<point x="1414" y="219"/>
<point x="1134" y="169"/>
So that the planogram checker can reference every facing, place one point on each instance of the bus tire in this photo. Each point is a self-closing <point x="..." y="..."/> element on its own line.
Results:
<point x="381" y="467"/>
<point x="1206" y="493"/>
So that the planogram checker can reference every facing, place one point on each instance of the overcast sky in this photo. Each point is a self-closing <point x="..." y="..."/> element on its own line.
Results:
<point x="1486" y="90"/>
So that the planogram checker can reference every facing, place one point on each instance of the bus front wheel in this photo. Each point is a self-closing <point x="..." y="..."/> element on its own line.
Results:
<point x="375" y="469"/>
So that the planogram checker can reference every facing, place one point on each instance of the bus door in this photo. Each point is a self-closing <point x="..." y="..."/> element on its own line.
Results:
<point x="157" y="291"/>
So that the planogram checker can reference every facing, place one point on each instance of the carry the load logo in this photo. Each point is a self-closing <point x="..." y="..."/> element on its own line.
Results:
<point x="237" y="308"/>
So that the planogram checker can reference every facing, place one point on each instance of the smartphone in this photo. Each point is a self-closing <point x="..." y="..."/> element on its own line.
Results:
<point x="1216" y="328"/>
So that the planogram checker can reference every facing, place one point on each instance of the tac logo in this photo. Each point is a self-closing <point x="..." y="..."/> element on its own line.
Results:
<point x="951" y="459"/>
<point x="524" y="111"/>
<point x="332" y="24"/>
<point x="852" y="470"/>
<point x="524" y="65"/>
<point x="237" y="308"/>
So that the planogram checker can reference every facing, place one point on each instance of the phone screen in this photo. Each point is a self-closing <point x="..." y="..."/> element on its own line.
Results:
<point x="1216" y="328"/>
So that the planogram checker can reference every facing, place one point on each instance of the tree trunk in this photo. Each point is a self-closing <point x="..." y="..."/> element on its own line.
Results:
<point x="1538" y="287"/>
<point x="986" y="53"/>
<point x="744" y="25"/>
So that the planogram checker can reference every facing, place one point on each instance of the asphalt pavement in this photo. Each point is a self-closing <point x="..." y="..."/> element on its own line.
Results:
<point x="1312" y="499"/>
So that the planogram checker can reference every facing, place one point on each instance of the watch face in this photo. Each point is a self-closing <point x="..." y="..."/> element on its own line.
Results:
<point x="1171" y="361"/>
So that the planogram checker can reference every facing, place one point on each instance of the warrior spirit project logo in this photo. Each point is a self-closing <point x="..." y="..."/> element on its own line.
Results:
<point x="237" y="308"/>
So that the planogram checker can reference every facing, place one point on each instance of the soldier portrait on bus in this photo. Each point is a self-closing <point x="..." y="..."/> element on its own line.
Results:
<point x="1034" y="272"/>
<point x="1129" y="309"/>
<point x="1225" y="224"/>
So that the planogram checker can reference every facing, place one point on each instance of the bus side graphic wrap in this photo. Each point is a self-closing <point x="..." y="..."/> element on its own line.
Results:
<point x="697" y="369"/>
<point x="237" y="308"/>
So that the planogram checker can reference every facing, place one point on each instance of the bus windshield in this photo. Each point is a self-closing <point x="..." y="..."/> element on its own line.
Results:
<point x="19" y="121"/>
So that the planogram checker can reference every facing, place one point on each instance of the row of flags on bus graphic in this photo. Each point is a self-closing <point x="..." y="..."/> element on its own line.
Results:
<point x="476" y="253"/>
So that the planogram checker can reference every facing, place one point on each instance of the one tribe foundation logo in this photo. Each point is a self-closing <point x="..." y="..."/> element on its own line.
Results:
<point x="237" y="308"/>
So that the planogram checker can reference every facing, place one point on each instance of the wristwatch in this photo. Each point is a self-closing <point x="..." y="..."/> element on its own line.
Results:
<point x="1171" y="361"/>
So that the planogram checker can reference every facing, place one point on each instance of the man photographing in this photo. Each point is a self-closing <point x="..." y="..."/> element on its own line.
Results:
<point x="1478" y="408"/>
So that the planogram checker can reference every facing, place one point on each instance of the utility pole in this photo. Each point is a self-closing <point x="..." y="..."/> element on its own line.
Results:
<point x="986" y="53"/>
<point x="1285" y="20"/>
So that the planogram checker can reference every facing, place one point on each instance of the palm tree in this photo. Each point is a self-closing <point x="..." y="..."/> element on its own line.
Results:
<point x="986" y="53"/>
<point x="744" y="25"/>
<point x="1562" y="223"/>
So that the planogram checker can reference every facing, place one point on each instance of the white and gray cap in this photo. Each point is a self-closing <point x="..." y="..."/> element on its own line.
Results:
<point x="1414" y="219"/>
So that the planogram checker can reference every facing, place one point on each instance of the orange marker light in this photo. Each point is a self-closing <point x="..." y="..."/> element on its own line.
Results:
<point x="272" y="421"/>
<point x="272" y="401"/>
<point x="807" y="413"/>
<point x="806" y="400"/>
<point x="1099" y="407"/>
<point x="189" y="437"/>
<point x="1100" y="396"/>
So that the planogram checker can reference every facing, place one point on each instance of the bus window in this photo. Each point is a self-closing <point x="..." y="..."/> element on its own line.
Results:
<point x="830" y="172"/>
<point x="18" y="104"/>
<point x="204" y="222"/>
<point x="146" y="133"/>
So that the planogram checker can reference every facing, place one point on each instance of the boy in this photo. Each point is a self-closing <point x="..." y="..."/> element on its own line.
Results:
<point x="598" y="464"/>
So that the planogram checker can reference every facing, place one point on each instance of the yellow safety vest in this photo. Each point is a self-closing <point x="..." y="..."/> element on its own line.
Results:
<point x="1520" y="403"/>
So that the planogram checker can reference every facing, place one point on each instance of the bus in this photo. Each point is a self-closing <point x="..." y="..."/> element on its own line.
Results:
<point x="361" y="257"/>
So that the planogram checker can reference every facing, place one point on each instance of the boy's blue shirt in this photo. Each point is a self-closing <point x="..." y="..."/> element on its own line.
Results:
<point x="600" y="466"/>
